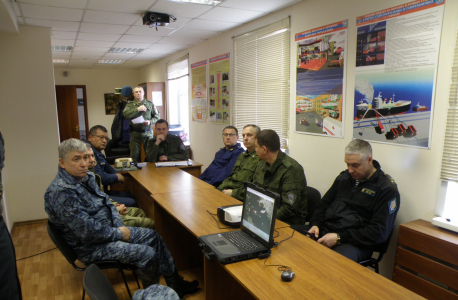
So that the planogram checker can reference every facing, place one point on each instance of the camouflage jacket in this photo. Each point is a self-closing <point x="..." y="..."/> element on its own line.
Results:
<point x="151" y="114"/>
<point x="172" y="147"/>
<point x="82" y="213"/>
<point x="285" y="177"/>
<point x="243" y="171"/>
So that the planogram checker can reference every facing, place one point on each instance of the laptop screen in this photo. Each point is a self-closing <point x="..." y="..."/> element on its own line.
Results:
<point x="258" y="212"/>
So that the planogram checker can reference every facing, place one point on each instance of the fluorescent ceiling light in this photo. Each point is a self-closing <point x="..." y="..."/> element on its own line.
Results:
<point x="61" y="48"/>
<point x="126" y="50"/>
<point x="110" y="61"/>
<point x="60" y="61"/>
<point x="206" y="2"/>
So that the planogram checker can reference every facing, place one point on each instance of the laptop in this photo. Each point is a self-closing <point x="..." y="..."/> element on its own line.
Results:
<point x="255" y="236"/>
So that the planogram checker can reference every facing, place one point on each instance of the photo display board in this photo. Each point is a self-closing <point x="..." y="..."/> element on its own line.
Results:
<point x="320" y="80"/>
<point x="199" y="91"/>
<point x="397" y="51"/>
<point x="218" y="90"/>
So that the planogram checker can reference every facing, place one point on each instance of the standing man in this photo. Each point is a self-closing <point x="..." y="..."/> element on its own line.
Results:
<point x="225" y="158"/>
<point x="165" y="147"/>
<point x="279" y="173"/>
<point x="98" y="137"/>
<point x="10" y="287"/>
<point x="140" y="133"/>
<point x="244" y="167"/>
<point x="358" y="212"/>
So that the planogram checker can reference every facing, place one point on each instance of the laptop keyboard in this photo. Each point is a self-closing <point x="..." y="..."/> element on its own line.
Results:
<point x="240" y="241"/>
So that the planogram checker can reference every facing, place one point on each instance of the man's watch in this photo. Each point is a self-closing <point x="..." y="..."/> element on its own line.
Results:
<point x="338" y="241"/>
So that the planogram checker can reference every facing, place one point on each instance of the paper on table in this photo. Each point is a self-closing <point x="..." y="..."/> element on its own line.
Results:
<point x="171" y="163"/>
<point x="138" y="120"/>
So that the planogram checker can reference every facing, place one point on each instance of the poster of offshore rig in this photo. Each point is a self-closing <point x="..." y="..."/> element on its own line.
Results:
<point x="320" y="80"/>
<point x="396" y="63"/>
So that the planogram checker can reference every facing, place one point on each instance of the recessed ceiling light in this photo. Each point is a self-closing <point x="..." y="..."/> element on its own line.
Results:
<point x="206" y="2"/>
<point x="110" y="61"/>
<point x="61" y="48"/>
<point x="126" y="50"/>
<point x="60" y="61"/>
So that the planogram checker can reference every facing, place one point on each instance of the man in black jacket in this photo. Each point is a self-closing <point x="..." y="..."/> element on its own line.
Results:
<point x="358" y="211"/>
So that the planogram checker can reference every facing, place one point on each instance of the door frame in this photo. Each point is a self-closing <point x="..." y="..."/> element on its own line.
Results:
<point x="86" y="122"/>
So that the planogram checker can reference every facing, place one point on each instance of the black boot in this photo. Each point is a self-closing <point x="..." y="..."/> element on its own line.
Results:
<point x="181" y="286"/>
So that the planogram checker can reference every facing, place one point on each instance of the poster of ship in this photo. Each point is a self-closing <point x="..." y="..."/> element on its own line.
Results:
<point x="394" y="107"/>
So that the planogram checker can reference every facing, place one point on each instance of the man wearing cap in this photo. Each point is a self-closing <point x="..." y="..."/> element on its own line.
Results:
<point x="141" y="132"/>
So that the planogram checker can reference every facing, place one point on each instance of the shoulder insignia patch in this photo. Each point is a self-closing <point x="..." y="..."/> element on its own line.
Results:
<point x="232" y="149"/>
<point x="368" y="191"/>
<point x="392" y="206"/>
<point x="291" y="197"/>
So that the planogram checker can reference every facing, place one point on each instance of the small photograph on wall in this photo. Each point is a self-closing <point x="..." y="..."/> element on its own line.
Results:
<point x="112" y="103"/>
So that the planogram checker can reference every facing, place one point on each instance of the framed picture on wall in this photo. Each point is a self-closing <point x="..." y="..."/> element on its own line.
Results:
<point x="112" y="103"/>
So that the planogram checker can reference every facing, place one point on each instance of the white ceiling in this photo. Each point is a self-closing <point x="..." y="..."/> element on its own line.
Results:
<point x="92" y="27"/>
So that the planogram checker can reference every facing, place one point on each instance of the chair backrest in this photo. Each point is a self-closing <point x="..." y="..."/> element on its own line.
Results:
<point x="383" y="247"/>
<point x="97" y="286"/>
<point x="313" y="198"/>
<point x="62" y="245"/>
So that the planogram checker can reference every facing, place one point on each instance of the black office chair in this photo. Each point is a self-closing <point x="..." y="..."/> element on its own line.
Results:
<point x="71" y="257"/>
<point x="381" y="249"/>
<point x="115" y="150"/>
<point x="313" y="198"/>
<point x="97" y="286"/>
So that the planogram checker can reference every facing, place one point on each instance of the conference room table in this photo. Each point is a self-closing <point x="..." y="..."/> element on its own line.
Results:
<point x="181" y="205"/>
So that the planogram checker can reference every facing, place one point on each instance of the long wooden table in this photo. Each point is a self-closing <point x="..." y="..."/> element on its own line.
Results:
<point x="180" y="212"/>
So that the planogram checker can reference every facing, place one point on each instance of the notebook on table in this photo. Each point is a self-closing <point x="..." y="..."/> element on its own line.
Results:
<point x="255" y="236"/>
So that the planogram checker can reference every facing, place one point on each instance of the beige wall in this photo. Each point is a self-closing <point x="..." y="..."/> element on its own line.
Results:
<point x="98" y="82"/>
<point x="415" y="170"/>
<point x="28" y="121"/>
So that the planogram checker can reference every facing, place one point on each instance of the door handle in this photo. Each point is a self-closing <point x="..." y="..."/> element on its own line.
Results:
<point x="77" y="128"/>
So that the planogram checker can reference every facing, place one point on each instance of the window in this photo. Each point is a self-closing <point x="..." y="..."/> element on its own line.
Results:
<point x="177" y="86"/>
<point x="447" y="193"/>
<point x="261" y="79"/>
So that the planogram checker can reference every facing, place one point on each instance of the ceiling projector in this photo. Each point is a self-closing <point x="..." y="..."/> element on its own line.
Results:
<point x="154" y="19"/>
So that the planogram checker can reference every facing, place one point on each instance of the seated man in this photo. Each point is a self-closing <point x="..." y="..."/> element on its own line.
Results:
<point x="130" y="216"/>
<point x="359" y="210"/>
<point x="91" y="225"/>
<point x="98" y="137"/>
<point x="165" y="147"/>
<point x="225" y="158"/>
<point x="244" y="167"/>
<point x="279" y="173"/>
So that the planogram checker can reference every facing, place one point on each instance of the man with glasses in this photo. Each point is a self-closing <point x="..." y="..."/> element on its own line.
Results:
<point x="140" y="133"/>
<point x="98" y="137"/>
<point x="225" y="158"/>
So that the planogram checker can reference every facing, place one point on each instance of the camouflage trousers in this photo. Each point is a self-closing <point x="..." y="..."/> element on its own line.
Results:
<point x="136" y="217"/>
<point x="155" y="292"/>
<point x="136" y="141"/>
<point x="146" y="250"/>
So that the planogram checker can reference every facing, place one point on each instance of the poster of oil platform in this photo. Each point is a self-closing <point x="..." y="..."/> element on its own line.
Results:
<point x="320" y="80"/>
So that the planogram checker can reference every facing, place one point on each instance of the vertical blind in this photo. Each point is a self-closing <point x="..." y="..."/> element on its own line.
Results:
<point x="177" y="68"/>
<point x="261" y="79"/>
<point x="449" y="169"/>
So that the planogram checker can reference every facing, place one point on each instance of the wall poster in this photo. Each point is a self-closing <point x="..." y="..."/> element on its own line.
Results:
<point x="199" y="91"/>
<point x="218" y="90"/>
<point x="396" y="63"/>
<point x="320" y="80"/>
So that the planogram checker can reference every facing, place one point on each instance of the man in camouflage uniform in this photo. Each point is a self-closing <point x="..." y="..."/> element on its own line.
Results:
<point x="130" y="216"/>
<point x="279" y="173"/>
<point x="91" y="225"/>
<point x="142" y="132"/>
<point x="244" y="167"/>
<point x="165" y="147"/>
<point x="10" y="287"/>
<point x="359" y="210"/>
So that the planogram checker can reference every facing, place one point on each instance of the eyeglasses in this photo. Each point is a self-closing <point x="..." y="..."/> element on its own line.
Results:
<point x="229" y="134"/>
<point x="102" y="137"/>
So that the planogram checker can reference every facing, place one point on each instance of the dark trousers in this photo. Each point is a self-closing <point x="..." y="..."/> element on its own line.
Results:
<point x="10" y="287"/>
<point x="125" y="198"/>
